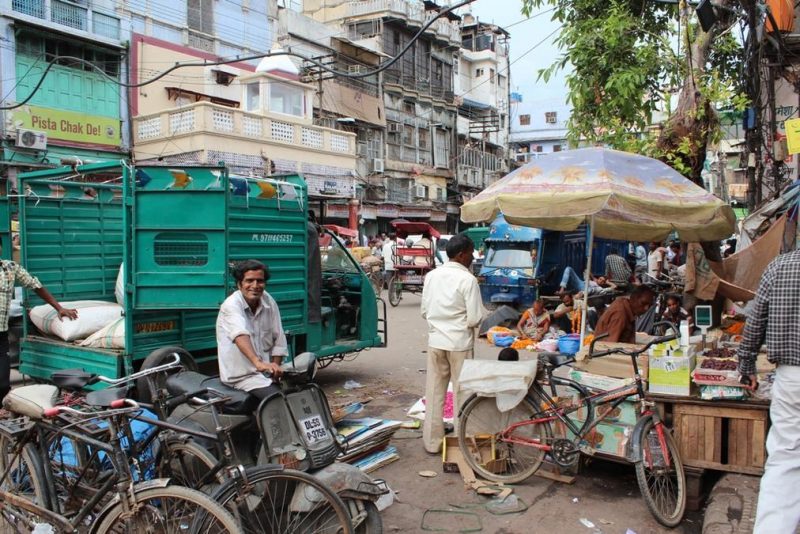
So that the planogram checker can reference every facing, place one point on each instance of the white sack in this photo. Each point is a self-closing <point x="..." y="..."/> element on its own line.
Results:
<point x="92" y="316"/>
<point x="508" y="382"/>
<point x="111" y="336"/>
<point x="119" y="286"/>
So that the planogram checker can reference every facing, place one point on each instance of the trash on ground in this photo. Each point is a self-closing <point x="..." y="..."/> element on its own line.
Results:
<point x="385" y="500"/>
<point x="574" y="499"/>
<point x="586" y="523"/>
<point x="427" y="474"/>
<point x="411" y="424"/>
<point x="629" y="531"/>
<point x="606" y="522"/>
<point x="352" y="384"/>
<point x="417" y="411"/>
<point x="509" y="504"/>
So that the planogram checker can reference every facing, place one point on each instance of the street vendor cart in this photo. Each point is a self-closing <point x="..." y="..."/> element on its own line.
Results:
<point x="412" y="263"/>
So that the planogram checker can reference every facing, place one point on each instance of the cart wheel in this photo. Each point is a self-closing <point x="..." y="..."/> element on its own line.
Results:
<point x="395" y="290"/>
<point x="144" y="386"/>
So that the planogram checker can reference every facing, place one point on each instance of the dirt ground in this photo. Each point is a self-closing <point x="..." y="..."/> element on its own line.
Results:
<point x="604" y="498"/>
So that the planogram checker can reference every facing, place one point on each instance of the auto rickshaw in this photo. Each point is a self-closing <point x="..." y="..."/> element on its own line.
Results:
<point x="413" y="261"/>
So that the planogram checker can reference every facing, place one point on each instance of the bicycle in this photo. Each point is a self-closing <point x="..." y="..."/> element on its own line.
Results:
<point x="263" y="499"/>
<point x="28" y="492"/>
<point x="510" y="446"/>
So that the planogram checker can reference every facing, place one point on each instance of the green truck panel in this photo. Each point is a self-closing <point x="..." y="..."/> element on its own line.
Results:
<point x="175" y="231"/>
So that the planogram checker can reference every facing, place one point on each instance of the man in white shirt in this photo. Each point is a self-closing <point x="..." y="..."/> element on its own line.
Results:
<point x="451" y="303"/>
<point x="250" y="338"/>
<point x="388" y="257"/>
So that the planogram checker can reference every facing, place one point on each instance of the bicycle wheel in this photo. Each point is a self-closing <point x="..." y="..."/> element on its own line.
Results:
<point x="187" y="464"/>
<point x="26" y="479"/>
<point x="659" y="473"/>
<point x="170" y="510"/>
<point x="275" y="501"/>
<point x="395" y="290"/>
<point x="491" y="457"/>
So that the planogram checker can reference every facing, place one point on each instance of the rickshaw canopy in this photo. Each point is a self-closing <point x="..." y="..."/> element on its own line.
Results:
<point x="341" y="230"/>
<point x="405" y="229"/>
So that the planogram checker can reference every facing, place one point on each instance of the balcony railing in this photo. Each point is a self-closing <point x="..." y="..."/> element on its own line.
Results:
<point x="66" y="14"/>
<point x="410" y="12"/>
<point x="205" y="118"/>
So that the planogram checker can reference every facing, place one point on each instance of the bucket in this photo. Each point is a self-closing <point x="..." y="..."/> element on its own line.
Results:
<point x="569" y="344"/>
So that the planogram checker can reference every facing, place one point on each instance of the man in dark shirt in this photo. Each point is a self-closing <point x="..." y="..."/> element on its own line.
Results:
<point x="775" y="318"/>
<point x="619" y="320"/>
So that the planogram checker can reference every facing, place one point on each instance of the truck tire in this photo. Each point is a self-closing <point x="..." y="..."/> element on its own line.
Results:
<point x="158" y="357"/>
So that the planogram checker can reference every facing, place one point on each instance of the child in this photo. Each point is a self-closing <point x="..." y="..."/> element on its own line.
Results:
<point x="534" y="323"/>
<point x="508" y="355"/>
<point x="674" y="313"/>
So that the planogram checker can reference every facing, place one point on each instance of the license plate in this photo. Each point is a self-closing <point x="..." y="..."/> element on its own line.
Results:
<point x="314" y="429"/>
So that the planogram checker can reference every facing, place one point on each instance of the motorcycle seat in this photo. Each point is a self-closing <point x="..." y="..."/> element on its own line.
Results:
<point x="190" y="382"/>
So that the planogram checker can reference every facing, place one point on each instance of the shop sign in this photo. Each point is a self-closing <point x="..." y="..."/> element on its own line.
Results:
<point x="339" y="211"/>
<point x="369" y="212"/>
<point x="413" y="212"/>
<point x="68" y="125"/>
<point x="388" y="211"/>
<point x="438" y="216"/>
<point x="331" y="186"/>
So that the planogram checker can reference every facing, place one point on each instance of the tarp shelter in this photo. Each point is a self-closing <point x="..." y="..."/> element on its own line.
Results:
<point x="761" y="220"/>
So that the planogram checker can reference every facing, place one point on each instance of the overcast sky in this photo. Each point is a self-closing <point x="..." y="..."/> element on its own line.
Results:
<point x="524" y="35"/>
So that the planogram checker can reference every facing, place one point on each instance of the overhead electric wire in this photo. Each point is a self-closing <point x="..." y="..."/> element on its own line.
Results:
<point x="206" y="63"/>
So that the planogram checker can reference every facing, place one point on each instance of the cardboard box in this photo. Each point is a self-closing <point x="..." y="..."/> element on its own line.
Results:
<point x="597" y="381"/>
<point x="609" y="438"/>
<point x="614" y="365"/>
<point x="671" y="375"/>
<point x="483" y="448"/>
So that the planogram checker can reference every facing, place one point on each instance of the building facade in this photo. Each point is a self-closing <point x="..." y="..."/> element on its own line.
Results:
<point x="482" y="85"/>
<point x="538" y="127"/>
<point x="419" y="158"/>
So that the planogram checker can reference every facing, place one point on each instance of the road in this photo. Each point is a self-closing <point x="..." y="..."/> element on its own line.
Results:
<point x="605" y="494"/>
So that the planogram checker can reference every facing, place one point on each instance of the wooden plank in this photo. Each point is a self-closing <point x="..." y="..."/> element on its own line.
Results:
<point x="759" y="440"/>
<point x="713" y="411"/>
<point x="692" y="441"/>
<point x="717" y="439"/>
<point x="711" y="441"/>
<point x="682" y="423"/>
<point x="723" y="467"/>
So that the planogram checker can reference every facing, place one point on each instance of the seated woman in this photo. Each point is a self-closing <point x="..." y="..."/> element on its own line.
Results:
<point x="534" y="323"/>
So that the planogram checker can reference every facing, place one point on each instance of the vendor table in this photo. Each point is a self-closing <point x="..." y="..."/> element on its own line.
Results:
<point x="720" y="435"/>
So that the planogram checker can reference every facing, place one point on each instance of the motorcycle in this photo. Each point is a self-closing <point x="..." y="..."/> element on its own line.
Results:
<point x="293" y="427"/>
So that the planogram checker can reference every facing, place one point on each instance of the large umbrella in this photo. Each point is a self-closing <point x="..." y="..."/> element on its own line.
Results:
<point x="620" y="195"/>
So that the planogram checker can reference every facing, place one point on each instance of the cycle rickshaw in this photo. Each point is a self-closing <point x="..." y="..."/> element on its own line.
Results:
<point x="412" y="261"/>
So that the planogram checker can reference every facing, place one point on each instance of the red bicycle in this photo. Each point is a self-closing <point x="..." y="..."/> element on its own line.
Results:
<point x="510" y="446"/>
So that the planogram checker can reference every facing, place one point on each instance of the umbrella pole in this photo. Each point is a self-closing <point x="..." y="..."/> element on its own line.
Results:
<point x="586" y="276"/>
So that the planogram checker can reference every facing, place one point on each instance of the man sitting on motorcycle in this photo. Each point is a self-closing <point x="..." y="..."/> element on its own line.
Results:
<point x="250" y="338"/>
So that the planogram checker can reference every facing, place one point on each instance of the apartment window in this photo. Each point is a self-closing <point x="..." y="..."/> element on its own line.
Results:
<point x="440" y="194"/>
<point x="478" y="73"/>
<point x="408" y="135"/>
<point x="285" y="98"/>
<point x="538" y="148"/>
<point x="253" y="96"/>
<point x="556" y="148"/>
<point x="550" y="117"/>
<point x="491" y="75"/>
<point x="200" y="15"/>
<point x="424" y="139"/>
<point x="524" y="120"/>
<point x="408" y="107"/>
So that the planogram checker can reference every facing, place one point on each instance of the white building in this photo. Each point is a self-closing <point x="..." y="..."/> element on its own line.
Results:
<point x="538" y="127"/>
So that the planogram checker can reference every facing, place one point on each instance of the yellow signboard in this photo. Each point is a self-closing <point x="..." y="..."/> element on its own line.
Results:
<point x="793" y="136"/>
<point x="68" y="125"/>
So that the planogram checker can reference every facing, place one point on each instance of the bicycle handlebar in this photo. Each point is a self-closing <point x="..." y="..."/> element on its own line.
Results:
<point x="115" y="405"/>
<point x="620" y="350"/>
<point x="146" y="372"/>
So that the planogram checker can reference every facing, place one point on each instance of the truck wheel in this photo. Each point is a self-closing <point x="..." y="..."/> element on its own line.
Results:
<point x="145" y="386"/>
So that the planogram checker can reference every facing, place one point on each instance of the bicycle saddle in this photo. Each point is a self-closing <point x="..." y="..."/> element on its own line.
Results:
<point x="72" y="378"/>
<point x="190" y="382"/>
<point x="555" y="359"/>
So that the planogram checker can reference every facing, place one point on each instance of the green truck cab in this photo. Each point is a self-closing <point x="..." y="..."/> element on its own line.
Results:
<point x="175" y="231"/>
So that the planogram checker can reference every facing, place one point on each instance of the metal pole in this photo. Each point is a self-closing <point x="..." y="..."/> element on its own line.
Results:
<point x="586" y="276"/>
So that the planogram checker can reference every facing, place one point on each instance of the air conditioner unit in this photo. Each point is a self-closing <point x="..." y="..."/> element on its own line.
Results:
<point x="377" y="165"/>
<point x="420" y="192"/>
<point x="394" y="127"/>
<point x="31" y="139"/>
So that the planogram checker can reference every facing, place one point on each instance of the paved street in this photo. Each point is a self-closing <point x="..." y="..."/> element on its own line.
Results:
<point x="605" y="494"/>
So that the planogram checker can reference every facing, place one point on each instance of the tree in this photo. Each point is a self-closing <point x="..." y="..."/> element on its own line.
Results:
<point x="628" y="58"/>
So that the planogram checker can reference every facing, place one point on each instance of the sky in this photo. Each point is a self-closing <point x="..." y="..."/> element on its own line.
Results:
<point x="524" y="36"/>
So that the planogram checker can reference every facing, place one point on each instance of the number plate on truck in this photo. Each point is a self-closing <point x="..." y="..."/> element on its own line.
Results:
<point x="314" y="429"/>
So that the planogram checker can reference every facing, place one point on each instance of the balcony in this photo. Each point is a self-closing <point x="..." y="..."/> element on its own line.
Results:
<point x="207" y="126"/>
<point x="412" y="13"/>
<point x="66" y="16"/>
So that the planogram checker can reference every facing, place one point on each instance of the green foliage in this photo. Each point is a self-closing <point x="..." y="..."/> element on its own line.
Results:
<point x="624" y="69"/>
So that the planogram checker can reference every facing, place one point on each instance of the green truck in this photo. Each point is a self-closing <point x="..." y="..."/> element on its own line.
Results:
<point x="175" y="231"/>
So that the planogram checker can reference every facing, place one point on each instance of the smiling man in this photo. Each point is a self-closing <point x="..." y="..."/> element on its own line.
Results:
<point x="250" y="338"/>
